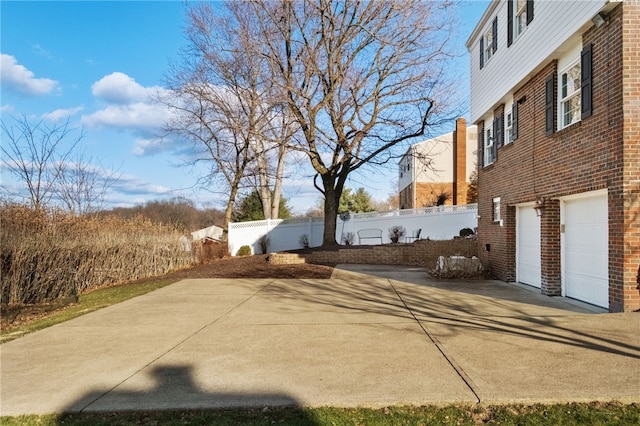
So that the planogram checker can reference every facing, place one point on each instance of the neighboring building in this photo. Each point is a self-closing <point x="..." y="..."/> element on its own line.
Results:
<point x="437" y="171"/>
<point x="555" y="93"/>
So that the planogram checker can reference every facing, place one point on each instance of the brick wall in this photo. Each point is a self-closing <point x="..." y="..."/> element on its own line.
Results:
<point x="631" y="169"/>
<point x="419" y="253"/>
<point x="598" y="152"/>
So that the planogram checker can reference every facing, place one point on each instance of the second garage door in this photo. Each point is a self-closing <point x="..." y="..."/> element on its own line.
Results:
<point x="586" y="249"/>
<point x="528" y="246"/>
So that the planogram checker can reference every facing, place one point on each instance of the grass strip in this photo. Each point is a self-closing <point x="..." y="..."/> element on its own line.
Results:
<point x="88" y="302"/>
<point x="596" y="413"/>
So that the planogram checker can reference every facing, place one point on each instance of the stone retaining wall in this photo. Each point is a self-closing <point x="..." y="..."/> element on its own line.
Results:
<point x="419" y="253"/>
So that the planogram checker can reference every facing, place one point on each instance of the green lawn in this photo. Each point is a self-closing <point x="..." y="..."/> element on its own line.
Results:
<point x="559" y="414"/>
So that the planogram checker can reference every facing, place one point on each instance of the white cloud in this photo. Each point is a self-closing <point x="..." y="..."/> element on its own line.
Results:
<point x="149" y="146"/>
<point x="129" y="107"/>
<point x="60" y="114"/>
<point x="6" y="108"/>
<point x="18" y="78"/>
<point x="119" y="88"/>
<point x="140" y="116"/>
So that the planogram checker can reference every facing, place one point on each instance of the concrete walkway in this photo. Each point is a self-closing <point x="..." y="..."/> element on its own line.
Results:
<point x="370" y="336"/>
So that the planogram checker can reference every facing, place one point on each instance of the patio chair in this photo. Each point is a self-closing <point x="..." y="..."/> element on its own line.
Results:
<point x="415" y="235"/>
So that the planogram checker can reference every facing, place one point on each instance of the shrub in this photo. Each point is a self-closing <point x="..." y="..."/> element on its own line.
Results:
<point x="465" y="232"/>
<point x="244" y="251"/>
<point x="348" y="238"/>
<point x="396" y="232"/>
<point x="48" y="255"/>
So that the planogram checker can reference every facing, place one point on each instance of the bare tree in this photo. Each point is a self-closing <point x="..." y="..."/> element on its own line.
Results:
<point x="83" y="183"/>
<point x="359" y="78"/>
<point x="222" y="97"/>
<point x="31" y="151"/>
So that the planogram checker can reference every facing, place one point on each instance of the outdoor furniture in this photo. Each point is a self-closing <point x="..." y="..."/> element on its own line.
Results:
<point x="370" y="234"/>
<point x="415" y="235"/>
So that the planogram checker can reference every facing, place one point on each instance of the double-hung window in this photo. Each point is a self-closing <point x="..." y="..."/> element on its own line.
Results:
<point x="489" y="43"/>
<point x="520" y="18"/>
<point x="508" y="127"/>
<point x="570" y="94"/>
<point x="488" y="148"/>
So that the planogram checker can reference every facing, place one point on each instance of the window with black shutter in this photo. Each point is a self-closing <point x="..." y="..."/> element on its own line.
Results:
<point x="586" y="103"/>
<point x="481" y="52"/>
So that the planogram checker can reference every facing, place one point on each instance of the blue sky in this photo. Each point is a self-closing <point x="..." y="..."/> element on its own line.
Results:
<point x="97" y="62"/>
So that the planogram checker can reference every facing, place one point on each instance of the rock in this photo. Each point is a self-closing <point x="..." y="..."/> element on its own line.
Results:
<point x="458" y="266"/>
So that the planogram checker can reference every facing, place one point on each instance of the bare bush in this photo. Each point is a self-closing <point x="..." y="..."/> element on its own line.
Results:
<point x="46" y="255"/>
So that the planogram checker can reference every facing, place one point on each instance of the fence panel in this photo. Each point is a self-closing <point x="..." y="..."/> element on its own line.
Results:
<point x="437" y="223"/>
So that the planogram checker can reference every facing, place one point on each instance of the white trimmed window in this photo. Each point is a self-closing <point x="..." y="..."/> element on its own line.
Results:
<point x="488" y="148"/>
<point x="570" y="95"/>
<point x="508" y="125"/>
<point x="488" y="45"/>
<point x="496" y="210"/>
<point x="520" y="19"/>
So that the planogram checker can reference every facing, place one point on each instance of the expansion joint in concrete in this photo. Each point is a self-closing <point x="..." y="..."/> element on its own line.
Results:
<point x="452" y="362"/>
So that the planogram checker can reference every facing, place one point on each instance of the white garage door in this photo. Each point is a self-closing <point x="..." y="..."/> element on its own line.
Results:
<point x="528" y="247"/>
<point x="586" y="250"/>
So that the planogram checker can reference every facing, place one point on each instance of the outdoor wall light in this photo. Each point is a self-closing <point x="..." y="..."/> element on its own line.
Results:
<point x="539" y="206"/>
<point x="599" y="19"/>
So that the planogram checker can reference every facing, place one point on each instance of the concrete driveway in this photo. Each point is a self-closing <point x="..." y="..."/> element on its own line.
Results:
<point x="370" y="336"/>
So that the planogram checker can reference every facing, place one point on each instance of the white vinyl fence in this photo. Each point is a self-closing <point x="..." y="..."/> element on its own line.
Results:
<point x="436" y="223"/>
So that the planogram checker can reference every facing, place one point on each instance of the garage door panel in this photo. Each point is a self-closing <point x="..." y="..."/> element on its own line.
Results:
<point x="586" y="250"/>
<point x="528" y="247"/>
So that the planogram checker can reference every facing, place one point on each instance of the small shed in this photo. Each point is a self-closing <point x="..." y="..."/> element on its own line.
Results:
<point x="210" y="233"/>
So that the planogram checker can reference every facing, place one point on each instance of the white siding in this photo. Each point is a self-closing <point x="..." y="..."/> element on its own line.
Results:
<point x="439" y="152"/>
<point x="472" y="150"/>
<point x="554" y="23"/>
<point x="405" y="177"/>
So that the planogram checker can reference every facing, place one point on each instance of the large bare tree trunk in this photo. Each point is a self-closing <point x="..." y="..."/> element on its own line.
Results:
<point x="358" y="77"/>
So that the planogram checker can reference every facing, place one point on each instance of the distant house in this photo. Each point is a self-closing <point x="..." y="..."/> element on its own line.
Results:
<point x="437" y="171"/>
<point x="555" y="93"/>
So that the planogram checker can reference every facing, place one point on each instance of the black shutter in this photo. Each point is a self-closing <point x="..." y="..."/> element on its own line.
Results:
<point x="529" y="11"/>
<point x="494" y="33"/>
<point x="495" y="129"/>
<point x="514" y="120"/>
<point x="548" y="105"/>
<point x="509" y="22"/>
<point x="481" y="144"/>
<point x="586" y="103"/>
<point x="499" y="134"/>
<point x="481" y="52"/>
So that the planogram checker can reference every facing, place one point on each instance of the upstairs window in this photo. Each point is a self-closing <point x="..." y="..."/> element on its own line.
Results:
<point x="519" y="16"/>
<point x="489" y="43"/>
<point x="508" y="128"/>
<point x="520" y="20"/>
<point x="488" y="148"/>
<point x="570" y="95"/>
